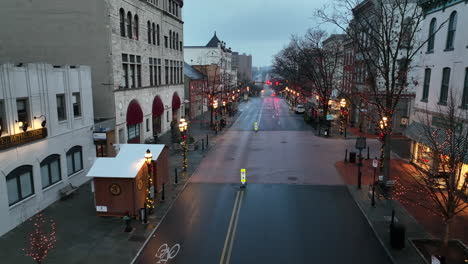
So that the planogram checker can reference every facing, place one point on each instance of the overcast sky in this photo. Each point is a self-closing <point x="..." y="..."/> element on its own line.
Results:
<point x="257" y="27"/>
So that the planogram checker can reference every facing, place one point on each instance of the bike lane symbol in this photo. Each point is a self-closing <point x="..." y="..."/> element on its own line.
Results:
<point x="165" y="253"/>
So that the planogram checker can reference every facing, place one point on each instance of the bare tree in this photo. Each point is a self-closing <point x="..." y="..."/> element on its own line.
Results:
<point x="307" y="63"/>
<point x="443" y="180"/>
<point x="42" y="238"/>
<point x="212" y="78"/>
<point x="386" y="38"/>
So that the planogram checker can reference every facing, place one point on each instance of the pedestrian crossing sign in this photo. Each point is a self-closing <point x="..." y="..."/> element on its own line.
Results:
<point x="243" y="176"/>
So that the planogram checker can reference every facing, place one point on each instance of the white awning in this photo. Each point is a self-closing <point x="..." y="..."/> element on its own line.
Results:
<point x="126" y="164"/>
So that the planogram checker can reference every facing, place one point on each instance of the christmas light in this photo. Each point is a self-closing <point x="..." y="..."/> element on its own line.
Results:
<point x="42" y="239"/>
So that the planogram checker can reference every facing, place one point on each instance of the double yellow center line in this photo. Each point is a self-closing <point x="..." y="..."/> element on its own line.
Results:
<point x="231" y="233"/>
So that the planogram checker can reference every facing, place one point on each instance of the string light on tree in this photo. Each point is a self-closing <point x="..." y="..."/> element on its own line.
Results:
<point x="42" y="239"/>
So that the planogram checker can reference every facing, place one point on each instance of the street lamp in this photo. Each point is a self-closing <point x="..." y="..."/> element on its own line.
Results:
<point x="183" y="125"/>
<point x="360" y="145"/>
<point x="383" y="126"/>
<point x="149" y="203"/>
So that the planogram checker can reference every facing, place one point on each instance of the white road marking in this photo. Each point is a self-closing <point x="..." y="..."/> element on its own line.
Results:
<point x="164" y="253"/>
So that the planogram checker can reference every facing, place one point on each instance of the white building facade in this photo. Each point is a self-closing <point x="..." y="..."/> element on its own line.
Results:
<point x="134" y="48"/>
<point x="215" y="52"/>
<point x="46" y="118"/>
<point x="443" y="72"/>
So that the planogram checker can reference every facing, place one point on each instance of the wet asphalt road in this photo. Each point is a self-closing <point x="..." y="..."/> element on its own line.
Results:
<point x="295" y="208"/>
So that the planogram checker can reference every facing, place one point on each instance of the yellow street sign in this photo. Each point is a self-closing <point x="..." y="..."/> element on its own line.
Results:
<point x="243" y="175"/>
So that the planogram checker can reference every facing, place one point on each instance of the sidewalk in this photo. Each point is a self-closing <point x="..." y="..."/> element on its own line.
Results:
<point x="83" y="237"/>
<point x="418" y="221"/>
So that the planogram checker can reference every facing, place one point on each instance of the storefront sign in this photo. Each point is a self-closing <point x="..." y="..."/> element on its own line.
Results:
<point x="99" y="136"/>
<point x="22" y="138"/>
<point x="330" y="117"/>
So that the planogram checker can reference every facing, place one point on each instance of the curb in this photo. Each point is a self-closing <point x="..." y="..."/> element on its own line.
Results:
<point x="372" y="226"/>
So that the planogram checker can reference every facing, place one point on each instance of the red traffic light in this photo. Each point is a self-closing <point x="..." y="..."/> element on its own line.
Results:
<point x="276" y="83"/>
<point x="268" y="82"/>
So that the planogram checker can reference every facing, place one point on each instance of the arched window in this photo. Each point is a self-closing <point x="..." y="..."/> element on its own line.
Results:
<point x="170" y="39"/>
<point x="148" y="25"/>
<point x="20" y="184"/>
<point x="431" y="36"/>
<point x="427" y="83"/>
<point x="122" y="22"/>
<point x="50" y="170"/>
<point x="173" y="40"/>
<point x="129" y="25"/>
<point x="177" y="41"/>
<point x="136" y="27"/>
<point x="452" y="26"/>
<point x="158" y="32"/>
<point x="74" y="160"/>
<point x="154" y="33"/>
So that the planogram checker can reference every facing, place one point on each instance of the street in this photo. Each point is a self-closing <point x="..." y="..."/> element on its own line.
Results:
<point x="294" y="209"/>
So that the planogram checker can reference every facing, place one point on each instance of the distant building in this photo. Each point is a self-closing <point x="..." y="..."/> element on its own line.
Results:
<point x="134" y="48"/>
<point x="46" y="122"/>
<point x="215" y="52"/>
<point x="243" y="64"/>
<point x="195" y="88"/>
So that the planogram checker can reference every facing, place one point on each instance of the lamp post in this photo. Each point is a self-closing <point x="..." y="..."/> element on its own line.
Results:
<point x="149" y="202"/>
<point x="383" y="128"/>
<point x="183" y="125"/>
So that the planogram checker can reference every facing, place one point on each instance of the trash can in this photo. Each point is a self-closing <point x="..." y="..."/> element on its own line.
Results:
<point x="397" y="236"/>
<point x="352" y="157"/>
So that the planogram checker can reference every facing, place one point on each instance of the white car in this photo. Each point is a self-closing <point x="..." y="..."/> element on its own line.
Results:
<point x="300" y="109"/>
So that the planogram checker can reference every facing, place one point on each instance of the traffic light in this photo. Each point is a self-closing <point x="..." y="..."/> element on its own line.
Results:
<point x="268" y="82"/>
<point x="277" y="83"/>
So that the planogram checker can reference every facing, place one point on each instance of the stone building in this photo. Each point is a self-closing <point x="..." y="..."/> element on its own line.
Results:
<point x="134" y="48"/>
<point x="46" y="122"/>
<point x="243" y="64"/>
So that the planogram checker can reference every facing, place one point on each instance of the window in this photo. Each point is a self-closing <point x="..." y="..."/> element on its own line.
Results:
<point x="465" y="90"/>
<point x="22" y="107"/>
<point x="76" y="104"/>
<point x="20" y="184"/>
<point x="452" y="26"/>
<point x="158" y="33"/>
<point x="122" y="22"/>
<point x="177" y="42"/>
<point x="147" y="125"/>
<point x="125" y="80"/>
<point x="166" y="71"/>
<point x="156" y="125"/>
<point x="170" y="39"/>
<point x="74" y="160"/>
<point x="177" y="10"/>
<point x="3" y="127"/>
<point x="167" y="116"/>
<point x="136" y="27"/>
<point x="180" y="45"/>
<point x="445" y="85"/>
<point x="171" y="80"/>
<point x="170" y="6"/>
<point x="431" y="40"/>
<point x="154" y="33"/>
<point x="165" y="42"/>
<point x="151" y="71"/>
<point x="129" y="25"/>
<point x="148" y="26"/>
<point x="138" y="71"/>
<point x="50" y="170"/>
<point x="133" y="133"/>
<point x="159" y="72"/>
<point x="427" y="81"/>
<point x="61" y="111"/>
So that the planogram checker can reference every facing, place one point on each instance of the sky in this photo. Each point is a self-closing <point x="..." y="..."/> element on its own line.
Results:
<point x="257" y="27"/>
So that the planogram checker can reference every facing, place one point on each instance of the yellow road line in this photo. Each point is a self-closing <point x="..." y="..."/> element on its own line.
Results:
<point x="228" y="260"/>
<point x="229" y="228"/>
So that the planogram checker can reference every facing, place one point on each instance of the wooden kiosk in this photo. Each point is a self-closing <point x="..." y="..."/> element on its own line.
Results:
<point x="122" y="184"/>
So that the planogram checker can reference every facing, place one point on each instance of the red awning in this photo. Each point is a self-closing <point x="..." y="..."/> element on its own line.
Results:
<point x="158" y="107"/>
<point x="175" y="101"/>
<point x="134" y="113"/>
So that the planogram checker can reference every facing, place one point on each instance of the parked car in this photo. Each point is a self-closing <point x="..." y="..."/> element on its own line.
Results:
<point x="300" y="109"/>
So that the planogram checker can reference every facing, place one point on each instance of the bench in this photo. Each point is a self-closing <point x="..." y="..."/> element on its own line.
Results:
<point x="67" y="191"/>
